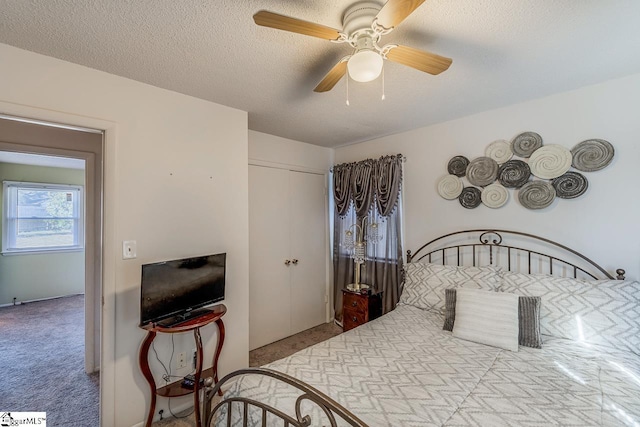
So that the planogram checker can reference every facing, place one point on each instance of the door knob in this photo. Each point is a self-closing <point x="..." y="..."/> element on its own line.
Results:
<point x="294" y="261"/>
<point x="287" y="262"/>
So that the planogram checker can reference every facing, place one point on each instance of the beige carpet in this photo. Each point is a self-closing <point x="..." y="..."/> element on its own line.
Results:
<point x="286" y="347"/>
<point x="267" y="354"/>
<point x="42" y="362"/>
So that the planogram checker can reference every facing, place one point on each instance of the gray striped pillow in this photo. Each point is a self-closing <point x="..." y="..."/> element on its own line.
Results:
<point x="449" y="309"/>
<point x="528" y="318"/>
<point x="529" y="322"/>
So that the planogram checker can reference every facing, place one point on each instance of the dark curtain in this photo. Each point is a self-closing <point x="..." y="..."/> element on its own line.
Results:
<point x="342" y="188"/>
<point x="373" y="193"/>
<point x="362" y="186"/>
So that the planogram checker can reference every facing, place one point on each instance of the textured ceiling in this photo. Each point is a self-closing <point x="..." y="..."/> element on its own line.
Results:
<point x="504" y="51"/>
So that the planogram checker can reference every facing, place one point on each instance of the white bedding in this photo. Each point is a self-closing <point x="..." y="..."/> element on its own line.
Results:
<point x="404" y="370"/>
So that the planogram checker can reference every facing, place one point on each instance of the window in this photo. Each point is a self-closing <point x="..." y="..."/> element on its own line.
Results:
<point x="42" y="217"/>
<point x="387" y="233"/>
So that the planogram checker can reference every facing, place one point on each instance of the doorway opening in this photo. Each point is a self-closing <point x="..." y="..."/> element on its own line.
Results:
<point x="51" y="268"/>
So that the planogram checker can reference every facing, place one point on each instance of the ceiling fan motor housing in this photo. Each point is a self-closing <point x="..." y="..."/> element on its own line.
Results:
<point x="357" y="20"/>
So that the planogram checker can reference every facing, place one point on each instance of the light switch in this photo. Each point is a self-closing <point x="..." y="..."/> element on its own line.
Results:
<point x="129" y="249"/>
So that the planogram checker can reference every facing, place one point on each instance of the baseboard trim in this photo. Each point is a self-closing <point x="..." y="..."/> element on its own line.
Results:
<point x="37" y="300"/>
<point x="183" y="407"/>
<point x="175" y="410"/>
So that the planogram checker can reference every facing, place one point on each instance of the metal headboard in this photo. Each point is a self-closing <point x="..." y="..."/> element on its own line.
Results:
<point x="492" y="241"/>
<point x="331" y="409"/>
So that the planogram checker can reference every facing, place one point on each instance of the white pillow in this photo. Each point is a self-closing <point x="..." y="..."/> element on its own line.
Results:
<point x="601" y="312"/>
<point x="425" y="283"/>
<point x="487" y="317"/>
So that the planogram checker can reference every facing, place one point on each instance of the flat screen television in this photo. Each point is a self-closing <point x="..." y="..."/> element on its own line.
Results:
<point x="173" y="291"/>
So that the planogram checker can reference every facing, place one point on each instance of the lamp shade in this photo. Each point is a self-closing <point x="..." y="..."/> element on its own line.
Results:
<point x="365" y="66"/>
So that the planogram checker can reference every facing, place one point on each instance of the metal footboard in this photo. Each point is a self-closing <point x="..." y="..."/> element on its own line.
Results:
<point x="332" y="410"/>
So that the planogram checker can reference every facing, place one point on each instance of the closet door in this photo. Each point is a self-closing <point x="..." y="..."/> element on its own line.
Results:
<point x="269" y="277"/>
<point x="308" y="247"/>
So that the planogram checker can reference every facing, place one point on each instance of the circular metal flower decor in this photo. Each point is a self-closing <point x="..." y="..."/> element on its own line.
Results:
<point x="536" y="195"/>
<point x="514" y="174"/>
<point x="570" y="185"/>
<point x="494" y="196"/>
<point x="499" y="150"/>
<point x="492" y="175"/>
<point x="470" y="197"/>
<point x="482" y="171"/>
<point x="592" y="155"/>
<point x="550" y="161"/>
<point x="525" y="144"/>
<point x="450" y="187"/>
<point x="458" y="166"/>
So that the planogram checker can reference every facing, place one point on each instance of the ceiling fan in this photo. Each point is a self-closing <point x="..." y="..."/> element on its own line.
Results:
<point x="363" y="24"/>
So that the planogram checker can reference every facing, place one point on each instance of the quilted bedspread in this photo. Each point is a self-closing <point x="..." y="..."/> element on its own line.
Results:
<point x="404" y="370"/>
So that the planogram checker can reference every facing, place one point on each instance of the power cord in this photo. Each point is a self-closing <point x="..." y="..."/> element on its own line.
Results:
<point x="180" y="416"/>
<point x="167" y="375"/>
<point x="173" y="348"/>
<point x="166" y="371"/>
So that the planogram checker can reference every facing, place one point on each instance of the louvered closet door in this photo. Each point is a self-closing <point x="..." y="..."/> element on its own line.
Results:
<point x="269" y="278"/>
<point x="308" y="246"/>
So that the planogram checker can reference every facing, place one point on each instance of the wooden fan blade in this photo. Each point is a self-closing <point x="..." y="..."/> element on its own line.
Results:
<point x="332" y="77"/>
<point x="286" y="23"/>
<point x="396" y="11"/>
<point x="419" y="59"/>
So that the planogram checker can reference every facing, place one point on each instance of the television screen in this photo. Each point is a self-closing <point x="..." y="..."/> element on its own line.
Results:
<point x="175" y="288"/>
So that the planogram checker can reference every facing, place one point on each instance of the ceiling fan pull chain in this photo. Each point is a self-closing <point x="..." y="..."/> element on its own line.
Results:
<point x="383" y="84"/>
<point x="347" y="89"/>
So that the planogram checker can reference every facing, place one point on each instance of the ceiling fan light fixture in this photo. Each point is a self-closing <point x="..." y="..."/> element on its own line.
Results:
<point x="365" y="66"/>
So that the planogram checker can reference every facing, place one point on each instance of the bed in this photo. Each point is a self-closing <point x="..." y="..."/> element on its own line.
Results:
<point x="403" y="369"/>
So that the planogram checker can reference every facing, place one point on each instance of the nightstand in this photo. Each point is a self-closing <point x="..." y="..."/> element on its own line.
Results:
<point x="358" y="308"/>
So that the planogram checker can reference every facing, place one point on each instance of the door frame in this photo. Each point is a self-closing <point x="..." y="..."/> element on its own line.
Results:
<point x="106" y="238"/>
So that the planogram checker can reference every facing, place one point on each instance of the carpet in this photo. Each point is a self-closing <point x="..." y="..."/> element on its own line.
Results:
<point x="287" y="346"/>
<point x="42" y="362"/>
<point x="270" y="353"/>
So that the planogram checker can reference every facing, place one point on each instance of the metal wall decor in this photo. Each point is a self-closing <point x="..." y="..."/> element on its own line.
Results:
<point x="491" y="175"/>
<point x="470" y="197"/>
<point x="550" y="161"/>
<point x="458" y="166"/>
<point x="570" y="185"/>
<point x="450" y="187"/>
<point x="499" y="150"/>
<point x="592" y="155"/>
<point x="482" y="171"/>
<point x="536" y="195"/>
<point x="525" y="144"/>
<point x="494" y="196"/>
<point x="514" y="173"/>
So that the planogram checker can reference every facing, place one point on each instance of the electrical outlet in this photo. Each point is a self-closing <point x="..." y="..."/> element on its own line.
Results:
<point x="181" y="360"/>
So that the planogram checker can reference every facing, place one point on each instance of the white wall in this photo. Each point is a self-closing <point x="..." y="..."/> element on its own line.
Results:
<point x="603" y="223"/>
<point x="283" y="153"/>
<point x="175" y="181"/>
